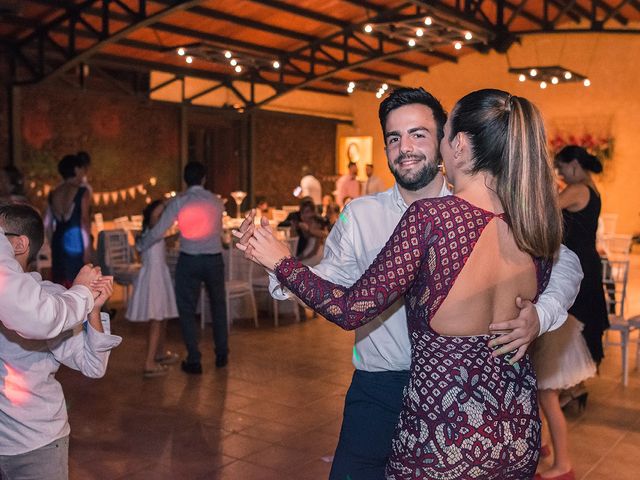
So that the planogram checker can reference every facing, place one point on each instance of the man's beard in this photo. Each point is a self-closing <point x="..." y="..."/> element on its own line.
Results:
<point x="415" y="180"/>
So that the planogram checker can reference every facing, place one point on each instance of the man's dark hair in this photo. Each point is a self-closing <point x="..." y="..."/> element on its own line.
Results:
<point x="24" y="220"/>
<point x="84" y="159"/>
<point x="67" y="166"/>
<point x="409" y="96"/>
<point x="194" y="173"/>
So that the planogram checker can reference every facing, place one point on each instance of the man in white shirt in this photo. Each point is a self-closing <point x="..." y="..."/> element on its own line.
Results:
<point x="410" y="118"/>
<point x="347" y="185"/>
<point x="310" y="186"/>
<point x="374" y="183"/>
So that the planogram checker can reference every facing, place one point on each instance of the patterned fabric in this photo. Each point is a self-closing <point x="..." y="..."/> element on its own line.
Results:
<point x="465" y="413"/>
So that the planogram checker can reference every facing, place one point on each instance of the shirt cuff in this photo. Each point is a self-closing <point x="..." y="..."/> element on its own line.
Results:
<point x="84" y="292"/>
<point x="99" y="341"/>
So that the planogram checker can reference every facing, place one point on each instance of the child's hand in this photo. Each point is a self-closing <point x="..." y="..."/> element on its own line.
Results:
<point x="103" y="287"/>
<point x="86" y="275"/>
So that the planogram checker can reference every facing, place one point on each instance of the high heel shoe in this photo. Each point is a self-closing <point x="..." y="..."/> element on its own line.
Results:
<point x="565" y="476"/>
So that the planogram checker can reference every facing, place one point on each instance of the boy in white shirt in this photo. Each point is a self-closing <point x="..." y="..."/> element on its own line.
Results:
<point x="34" y="429"/>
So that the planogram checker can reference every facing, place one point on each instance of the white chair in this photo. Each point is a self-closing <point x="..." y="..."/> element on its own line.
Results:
<point x="618" y="245"/>
<point x="614" y="281"/>
<point x="117" y="258"/>
<point x="607" y="223"/>
<point x="237" y="285"/>
<point x="260" y="283"/>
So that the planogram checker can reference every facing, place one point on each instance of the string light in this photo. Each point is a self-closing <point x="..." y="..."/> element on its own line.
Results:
<point x="227" y="54"/>
<point x="238" y="69"/>
<point x="543" y="85"/>
<point x="189" y="59"/>
<point x="352" y="84"/>
<point x="378" y="95"/>
<point x="368" y="28"/>
<point x="385" y="87"/>
<point x="276" y="64"/>
<point x="412" y="42"/>
<point x="457" y="45"/>
<point x="586" y="82"/>
<point x="419" y="32"/>
<point x="533" y="72"/>
<point x="468" y="36"/>
<point x="567" y="75"/>
<point x="522" y="77"/>
<point x="181" y="51"/>
<point x="428" y="21"/>
<point x="555" y="80"/>
<point x="233" y="62"/>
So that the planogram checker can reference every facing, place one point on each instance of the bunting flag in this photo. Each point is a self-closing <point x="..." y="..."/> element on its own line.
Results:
<point x="104" y="198"/>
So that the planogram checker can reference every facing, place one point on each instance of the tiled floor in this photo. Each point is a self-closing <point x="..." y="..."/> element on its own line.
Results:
<point x="275" y="411"/>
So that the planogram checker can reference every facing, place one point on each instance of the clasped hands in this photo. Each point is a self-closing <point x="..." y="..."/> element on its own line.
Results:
<point x="101" y="286"/>
<point x="260" y="244"/>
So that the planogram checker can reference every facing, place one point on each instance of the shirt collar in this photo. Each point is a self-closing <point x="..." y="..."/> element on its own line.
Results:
<point x="398" y="200"/>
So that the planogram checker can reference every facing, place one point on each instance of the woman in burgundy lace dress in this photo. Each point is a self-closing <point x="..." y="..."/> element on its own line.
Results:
<point x="459" y="261"/>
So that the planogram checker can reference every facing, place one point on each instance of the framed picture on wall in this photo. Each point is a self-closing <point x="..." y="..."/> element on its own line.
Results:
<point x="357" y="150"/>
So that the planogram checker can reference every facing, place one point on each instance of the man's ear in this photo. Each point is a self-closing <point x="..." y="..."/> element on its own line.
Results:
<point x="21" y="245"/>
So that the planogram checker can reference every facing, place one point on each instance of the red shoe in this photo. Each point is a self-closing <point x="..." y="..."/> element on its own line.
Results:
<point x="565" y="476"/>
<point x="545" y="451"/>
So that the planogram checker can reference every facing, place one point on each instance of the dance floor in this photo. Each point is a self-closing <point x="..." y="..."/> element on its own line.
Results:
<point x="275" y="411"/>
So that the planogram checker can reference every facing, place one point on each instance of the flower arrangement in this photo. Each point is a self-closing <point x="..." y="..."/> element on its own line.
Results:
<point x="599" y="145"/>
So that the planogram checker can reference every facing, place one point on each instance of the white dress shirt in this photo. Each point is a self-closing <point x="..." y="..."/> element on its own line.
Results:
<point x="355" y="240"/>
<point x="29" y="309"/>
<point x="33" y="412"/>
<point x="310" y="187"/>
<point x="199" y="216"/>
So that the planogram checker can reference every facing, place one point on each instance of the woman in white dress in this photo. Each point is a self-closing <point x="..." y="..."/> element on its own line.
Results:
<point x="153" y="297"/>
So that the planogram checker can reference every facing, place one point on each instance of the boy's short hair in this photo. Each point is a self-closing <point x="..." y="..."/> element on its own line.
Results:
<point x="67" y="166"/>
<point x="24" y="220"/>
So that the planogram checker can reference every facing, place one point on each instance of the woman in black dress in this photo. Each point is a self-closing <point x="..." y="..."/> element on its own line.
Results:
<point x="580" y="203"/>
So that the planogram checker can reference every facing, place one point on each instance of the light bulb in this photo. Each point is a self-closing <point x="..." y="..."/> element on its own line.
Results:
<point x="385" y="86"/>
<point x="543" y="85"/>
<point x="276" y="64"/>
<point x="412" y="42"/>
<point x="181" y="51"/>
<point x="428" y="21"/>
<point x="567" y="75"/>
<point x="352" y="84"/>
<point x="533" y="72"/>
<point x="419" y="32"/>
<point x="468" y="36"/>
<point x="586" y="82"/>
<point x="378" y="94"/>
<point x="233" y="62"/>
<point x="368" y="28"/>
<point x="227" y="54"/>
<point x="522" y="77"/>
<point x="189" y="59"/>
<point x="457" y="45"/>
<point x="238" y="69"/>
<point x="554" y="80"/>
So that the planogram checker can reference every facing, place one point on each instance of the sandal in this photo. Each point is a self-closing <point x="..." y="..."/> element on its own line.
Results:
<point x="169" y="358"/>
<point x="159" y="371"/>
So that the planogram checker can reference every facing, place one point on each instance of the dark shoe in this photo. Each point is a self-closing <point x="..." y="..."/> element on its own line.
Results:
<point x="194" y="368"/>
<point x="221" y="360"/>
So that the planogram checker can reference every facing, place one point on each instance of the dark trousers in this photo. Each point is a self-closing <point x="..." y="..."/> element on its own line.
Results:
<point x="371" y="411"/>
<point x="191" y="271"/>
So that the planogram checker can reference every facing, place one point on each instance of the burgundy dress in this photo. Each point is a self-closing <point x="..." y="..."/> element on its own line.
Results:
<point x="465" y="413"/>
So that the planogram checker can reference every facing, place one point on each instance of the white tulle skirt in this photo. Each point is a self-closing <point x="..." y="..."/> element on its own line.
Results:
<point x="561" y="358"/>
